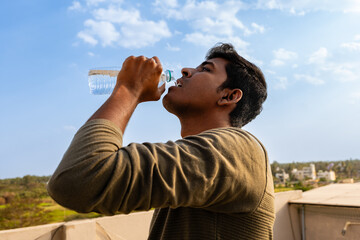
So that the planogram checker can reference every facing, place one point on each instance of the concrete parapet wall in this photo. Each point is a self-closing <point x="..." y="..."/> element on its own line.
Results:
<point x="120" y="227"/>
<point x="285" y="228"/>
<point x="134" y="226"/>
<point x="31" y="232"/>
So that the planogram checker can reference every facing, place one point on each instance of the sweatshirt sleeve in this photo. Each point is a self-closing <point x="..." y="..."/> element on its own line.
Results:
<point x="220" y="170"/>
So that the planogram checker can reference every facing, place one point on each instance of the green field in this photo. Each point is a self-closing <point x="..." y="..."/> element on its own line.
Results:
<point x="25" y="202"/>
<point x="283" y="189"/>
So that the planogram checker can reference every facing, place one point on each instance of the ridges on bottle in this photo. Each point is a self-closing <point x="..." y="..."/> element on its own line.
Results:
<point x="103" y="80"/>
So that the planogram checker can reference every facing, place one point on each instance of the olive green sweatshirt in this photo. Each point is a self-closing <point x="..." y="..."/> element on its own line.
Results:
<point x="214" y="185"/>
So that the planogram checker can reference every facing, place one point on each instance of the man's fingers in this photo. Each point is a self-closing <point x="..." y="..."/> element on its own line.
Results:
<point x="156" y="59"/>
<point x="158" y="63"/>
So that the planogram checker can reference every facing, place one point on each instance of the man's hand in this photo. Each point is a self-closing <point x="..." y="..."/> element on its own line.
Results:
<point x="137" y="82"/>
<point x="140" y="76"/>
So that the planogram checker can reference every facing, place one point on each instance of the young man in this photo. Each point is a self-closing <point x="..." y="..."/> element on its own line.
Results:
<point x="214" y="183"/>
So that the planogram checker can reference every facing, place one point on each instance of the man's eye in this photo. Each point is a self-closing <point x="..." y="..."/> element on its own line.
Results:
<point x="205" y="69"/>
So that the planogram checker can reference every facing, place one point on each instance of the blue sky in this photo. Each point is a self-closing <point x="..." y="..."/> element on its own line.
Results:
<point x="309" y="52"/>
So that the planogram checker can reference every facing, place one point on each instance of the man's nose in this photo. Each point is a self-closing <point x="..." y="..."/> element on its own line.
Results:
<point x="187" y="72"/>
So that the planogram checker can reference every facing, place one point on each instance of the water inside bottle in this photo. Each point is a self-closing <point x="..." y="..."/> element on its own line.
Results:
<point x="101" y="84"/>
<point x="103" y="80"/>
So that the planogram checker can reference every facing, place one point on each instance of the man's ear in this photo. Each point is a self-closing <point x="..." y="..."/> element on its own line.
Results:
<point x="230" y="96"/>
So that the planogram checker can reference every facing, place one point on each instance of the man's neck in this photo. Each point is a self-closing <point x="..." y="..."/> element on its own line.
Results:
<point x="193" y="126"/>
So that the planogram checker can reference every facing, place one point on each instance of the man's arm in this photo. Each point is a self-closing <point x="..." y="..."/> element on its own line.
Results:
<point x="136" y="82"/>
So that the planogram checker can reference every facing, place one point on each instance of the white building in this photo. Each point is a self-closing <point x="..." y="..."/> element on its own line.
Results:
<point x="328" y="175"/>
<point x="306" y="172"/>
<point x="282" y="176"/>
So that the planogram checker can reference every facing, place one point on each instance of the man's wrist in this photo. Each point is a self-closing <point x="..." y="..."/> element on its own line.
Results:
<point x="122" y="93"/>
<point x="118" y="108"/>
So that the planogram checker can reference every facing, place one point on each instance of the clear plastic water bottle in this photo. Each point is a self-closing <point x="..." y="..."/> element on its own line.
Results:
<point x="103" y="80"/>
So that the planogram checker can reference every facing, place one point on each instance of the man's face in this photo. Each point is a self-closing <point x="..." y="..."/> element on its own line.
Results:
<point x="197" y="92"/>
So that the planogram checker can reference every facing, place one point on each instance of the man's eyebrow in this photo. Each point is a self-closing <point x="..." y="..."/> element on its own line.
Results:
<point x="206" y="63"/>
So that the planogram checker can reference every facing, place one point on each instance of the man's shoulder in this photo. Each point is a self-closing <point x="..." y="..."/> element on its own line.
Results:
<point x="231" y="138"/>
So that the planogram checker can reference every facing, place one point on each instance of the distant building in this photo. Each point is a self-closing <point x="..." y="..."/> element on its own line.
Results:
<point x="282" y="176"/>
<point x="328" y="175"/>
<point x="306" y="172"/>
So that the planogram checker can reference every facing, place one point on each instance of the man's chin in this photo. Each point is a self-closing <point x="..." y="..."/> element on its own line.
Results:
<point x="167" y="103"/>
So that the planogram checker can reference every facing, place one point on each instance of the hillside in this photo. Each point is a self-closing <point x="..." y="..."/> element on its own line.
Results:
<point x="25" y="202"/>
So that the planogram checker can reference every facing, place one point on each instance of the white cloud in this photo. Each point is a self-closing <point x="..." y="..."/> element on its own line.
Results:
<point x="172" y="48"/>
<point x="201" y="39"/>
<point x="91" y="54"/>
<point x="277" y="82"/>
<point x="295" y="12"/>
<point x="211" y="21"/>
<point x="252" y="59"/>
<point x="352" y="46"/>
<point x="204" y="9"/>
<point x="258" y="28"/>
<point x="344" y="72"/>
<point x="112" y="22"/>
<point x="338" y="71"/>
<point x="88" y="38"/>
<point x="212" y="18"/>
<point x="209" y="40"/>
<point x="269" y="4"/>
<point x="270" y="71"/>
<point x="69" y="128"/>
<point x="218" y="21"/>
<point x="217" y="26"/>
<point x="117" y="15"/>
<point x="310" y="79"/>
<point x="319" y="73"/>
<point x="103" y="30"/>
<point x="166" y="3"/>
<point x="281" y="83"/>
<point x="281" y="56"/>
<point x="143" y="33"/>
<point x="277" y="62"/>
<point x="302" y="7"/>
<point x="284" y="54"/>
<point x="76" y="6"/>
<point x="94" y="2"/>
<point x="352" y="6"/>
<point x="319" y="56"/>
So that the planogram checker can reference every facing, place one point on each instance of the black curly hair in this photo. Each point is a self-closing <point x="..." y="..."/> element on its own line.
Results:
<point x="243" y="75"/>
